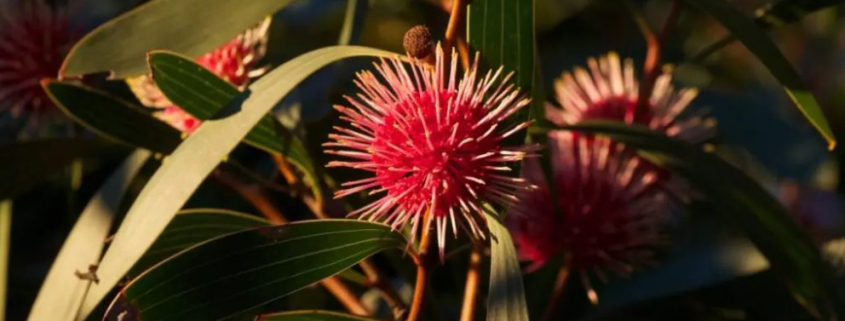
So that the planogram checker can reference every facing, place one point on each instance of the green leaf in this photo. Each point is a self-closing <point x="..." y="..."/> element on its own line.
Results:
<point x="112" y="117"/>
<point x="788" y="11"/>
<point x="506" y="300"/>
<point x="62" y="292"/>
<point x="755" y="39"/>
<point x="5" y="238"/>
<point x="189" y="27"/>
<point x="191" y="227"/>
<point x="739" y="200"/>
<point x="25" y="164"/>
<point x="237" y="273"/>
<point x="176" y="180"/>
<point x="202" y="94"/>
<point x="313" y="315"/>
<point x="503" y="32"/>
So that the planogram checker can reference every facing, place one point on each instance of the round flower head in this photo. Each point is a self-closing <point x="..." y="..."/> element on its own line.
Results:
<point x="433" y="142"/>
<point x="234" y="62"/>
<point x="33" y="42"/>
<point x="604" y="210"/>
<point x="609" y="91"/>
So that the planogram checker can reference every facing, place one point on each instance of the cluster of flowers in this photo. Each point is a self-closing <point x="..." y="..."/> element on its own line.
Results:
<point x="434" y="141"/>
<point x="435" y="145"/>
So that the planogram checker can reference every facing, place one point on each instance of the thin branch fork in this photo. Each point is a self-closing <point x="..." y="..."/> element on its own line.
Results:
<point x="653" y="55"/>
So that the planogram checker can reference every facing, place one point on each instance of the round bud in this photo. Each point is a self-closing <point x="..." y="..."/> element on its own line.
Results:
<point x="418" y="42"/>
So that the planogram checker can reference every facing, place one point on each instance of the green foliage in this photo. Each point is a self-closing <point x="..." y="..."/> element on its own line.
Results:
<point x="62" y="291"/>
<point x="502" y="32"/>
<point x="506" y="300"/>
<point x="112" y="117"/>
<point x="756" y="40"/>
<point x="191" y="227"/>
<point x="239" y="272"/>
<point x="25" y="164"/>
<point x="202" y="94"/>
<point x="189" y="27"/>
<point x="313" y="316"/>
<point x="740" y="201"/>
<point x="177" y="179"/>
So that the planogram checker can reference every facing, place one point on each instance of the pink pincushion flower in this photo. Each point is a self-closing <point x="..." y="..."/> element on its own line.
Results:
<point x="433" y="143"/>
<point x="606" y="213"/>
<point x="33" y="42"/>
<point x="608" y="91"/>
<point x="234" y="62"/>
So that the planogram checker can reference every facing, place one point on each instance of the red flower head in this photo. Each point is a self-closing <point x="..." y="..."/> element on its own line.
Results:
<point x="606" y="213"/>
<point x="33" y="43"/>
<point x="433" y="143"/>
<point x="235" y="62"/>
<point x="609" y="91"/>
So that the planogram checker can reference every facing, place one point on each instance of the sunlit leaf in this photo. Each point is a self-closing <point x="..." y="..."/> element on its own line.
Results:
<point x="189" y="27"/>
<point x="177" y="179"/>
<point x="234" y="274"/>
<point x="739" y="200"/>
<point x="202" y="94"/>
<point x="62" y="292"/>
<point x="5" y="238"/>
<point x="502" y="31"/>
<point x="314" y="315"/>
<point x="191" y="227"/>
<point x="112" y="117"/>
<point x="506" y="300"/>
<point x="25" y="164"/>
<point x="758" y="42"/>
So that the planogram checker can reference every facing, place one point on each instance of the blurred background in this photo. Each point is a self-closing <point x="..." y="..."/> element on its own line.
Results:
<point x="709" y="273"/>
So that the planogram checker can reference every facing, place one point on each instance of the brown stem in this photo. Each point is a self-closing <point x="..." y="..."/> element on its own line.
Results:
<point x="377" y="280"/>
<point x="471" y="287"/>
<point x="553" y="307"/>
<point x="285" y="169"/>
<point x="653" y="55"/>
<point x="423" y="263"/>
<point x="463" y="52"/>
<point x="343" y="294"/>
<point x="457" y="22"/>
<point x="253" y="195"/>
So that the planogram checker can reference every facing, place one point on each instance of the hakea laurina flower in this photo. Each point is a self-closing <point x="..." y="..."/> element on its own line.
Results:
<point x="34" y="40"/>
<point x="235" y="62"/>
<point x="433" y="142"/>
<point x="604" y="210"/>
<point x="609" y="91"/>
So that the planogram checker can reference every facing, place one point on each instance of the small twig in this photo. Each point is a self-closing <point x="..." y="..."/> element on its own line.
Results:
<point x="253" y="195"/>
<point x="457" y="22"/>
<point x="471" y="288"/>
<point x="552" y="309"/>
<point x="653" y="56"/>
<point x="376" y="279"/>
<point x="423" y="264"/>
<point x="343" y="294"/>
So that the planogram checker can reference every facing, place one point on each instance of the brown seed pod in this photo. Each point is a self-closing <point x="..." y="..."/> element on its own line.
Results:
<point x="418" y="42"/>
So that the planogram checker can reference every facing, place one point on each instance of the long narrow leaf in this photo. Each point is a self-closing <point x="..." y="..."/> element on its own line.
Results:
<point x="62" y="292"/>
<point x="202" y="94"/>
<point x="314" y="315"/>
<point x="506" y="300"/>
<point x="191" y="227"/>
<point x="755" y="39"/>
<point x="5" y="238"/>
<point x="189" y="27"/>
<point x="173" y="183"/>
<point x="741" y="201"/>
<point x="237" y="273"/>
<point x="112" y="117"/>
